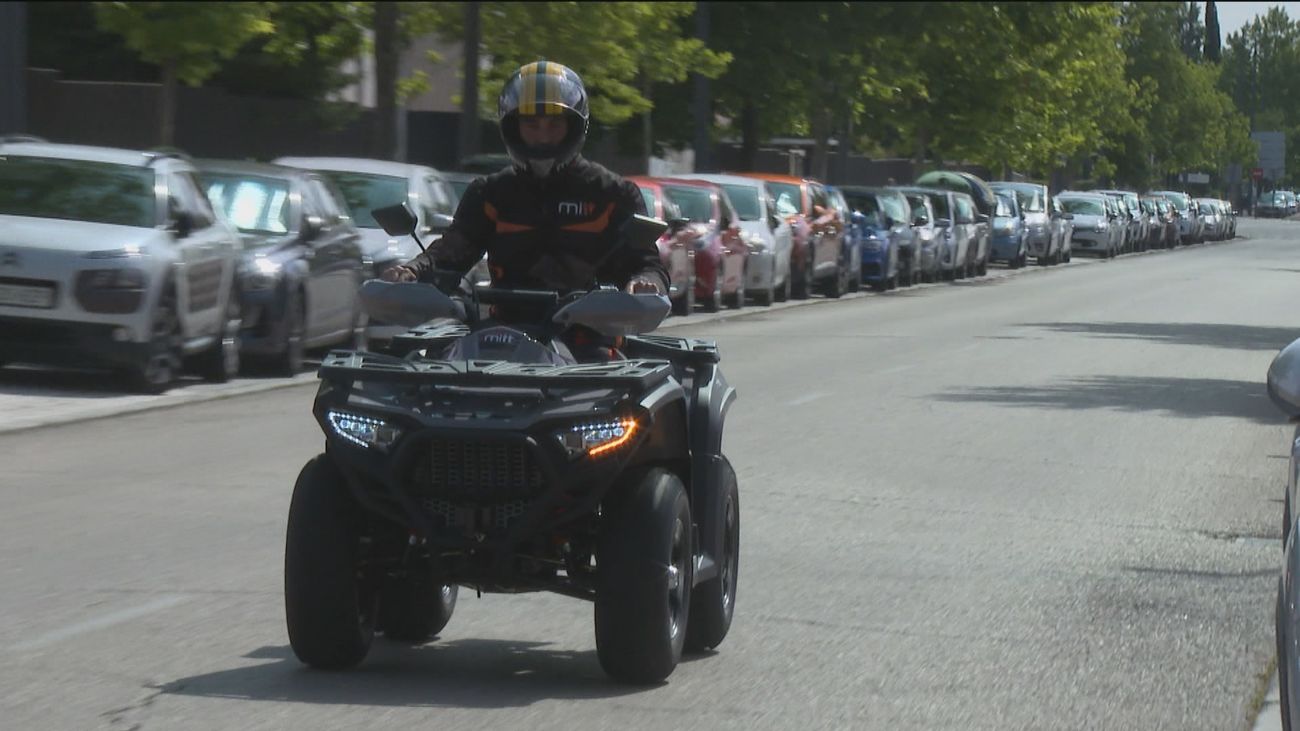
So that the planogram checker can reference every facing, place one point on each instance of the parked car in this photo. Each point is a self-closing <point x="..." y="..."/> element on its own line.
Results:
<point x="890" y="245"/>
<point x="818" y="257"/>
<point x="1215" y="227"/>
<point x="676" y="245"/>
<point x="1231" y="213"/>
<point x="1062" y="223"/>
<point x="982" y="197"/>
<point x="768" y="272"/>
<point x="113" y="258"/>
<point x="302" y="268"/>
<point x="851" y="249"/>
<point x="714" y="231"/>
<point x="459" y="183"/>
<point x="955" y="228"/>
<point x="928" y="238"/>
<point x="1166" y="222"/>
<point x="1137" y="230"/>
<point x="1040" y="240"/>
<point x="1096" y="223"/>
<point x="1189" y="228"/>
<point x="1010" y="231"/>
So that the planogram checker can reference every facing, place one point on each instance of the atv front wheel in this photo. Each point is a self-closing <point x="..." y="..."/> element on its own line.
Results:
<point x="329" y="607"/>
<point x="644" y="564"/>
<point x="714" y="601"/>
<point x="413" y="608"/>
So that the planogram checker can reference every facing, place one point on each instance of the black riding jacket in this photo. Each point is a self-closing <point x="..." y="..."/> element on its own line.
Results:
<point x="547" y="233"/>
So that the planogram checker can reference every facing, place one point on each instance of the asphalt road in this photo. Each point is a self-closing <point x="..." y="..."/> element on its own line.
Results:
<point x="1045" y="501"/>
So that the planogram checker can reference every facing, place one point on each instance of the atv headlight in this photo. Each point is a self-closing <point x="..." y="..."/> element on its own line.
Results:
<point x="597" y="438"/>
<point x="363" y="431"/>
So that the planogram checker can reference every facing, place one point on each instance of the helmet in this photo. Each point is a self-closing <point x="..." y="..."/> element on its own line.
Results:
<point x="543" y="88"/>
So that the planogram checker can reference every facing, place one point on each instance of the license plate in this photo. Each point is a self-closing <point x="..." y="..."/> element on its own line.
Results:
<point x="22" y="295"/>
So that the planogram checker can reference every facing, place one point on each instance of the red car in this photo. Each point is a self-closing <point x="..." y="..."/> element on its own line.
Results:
<point x="819" y="233"/>
<point x="675" y="246"/>
<point x="714" y="230"/>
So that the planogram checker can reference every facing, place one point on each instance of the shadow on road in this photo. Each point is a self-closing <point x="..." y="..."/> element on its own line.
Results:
<point x="1237" y="337"/>
<point x="459" y="673"/>
<point x="1190" y="398"/>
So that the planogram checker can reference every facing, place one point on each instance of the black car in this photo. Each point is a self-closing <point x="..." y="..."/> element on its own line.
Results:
<point x="302" y="266"/>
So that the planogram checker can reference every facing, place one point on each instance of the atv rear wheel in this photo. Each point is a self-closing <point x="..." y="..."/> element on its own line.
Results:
<point x="644" y="564"/>
<point x="413" y="608"/>
<point x="714" y="601"/>
<point x="329" y="606"/>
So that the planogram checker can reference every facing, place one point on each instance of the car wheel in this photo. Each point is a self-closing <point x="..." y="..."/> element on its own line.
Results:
<point x="220" y="363"/>
<point x="414" y="608"/>
<point x="644" y="562"/>
<point x="162" y="362"/>
<point x="330" y="606"/>
<point x="295" y="322"/>
<point x="714" y="601"/>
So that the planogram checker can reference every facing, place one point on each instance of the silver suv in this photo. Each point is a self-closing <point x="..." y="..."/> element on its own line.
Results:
<point x="114" y="258"/>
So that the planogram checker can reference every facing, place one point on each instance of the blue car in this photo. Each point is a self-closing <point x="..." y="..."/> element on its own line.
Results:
<point x="891" y="254"/>
<point x="1009" y="232"/>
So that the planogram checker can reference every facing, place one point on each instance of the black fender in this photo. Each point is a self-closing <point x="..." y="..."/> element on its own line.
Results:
<point x="713" y="397"/>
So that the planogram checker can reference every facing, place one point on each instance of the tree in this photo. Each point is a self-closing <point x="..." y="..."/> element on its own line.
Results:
<point x="1213" y="46"/>
<point x="1191" y="34"/>
<point x="187" y="41"/>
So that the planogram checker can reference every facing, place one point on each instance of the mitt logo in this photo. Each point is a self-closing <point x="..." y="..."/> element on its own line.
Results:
<point x="577" y="209"/>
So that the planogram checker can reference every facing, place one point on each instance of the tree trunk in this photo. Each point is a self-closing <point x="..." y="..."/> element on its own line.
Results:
<point x="821" y="132"/>
<point x="748" y="134"/>
<point x="386" y="57"/>
<point x="469" y="124"/>
<point x="702" y="104"/>
<point x="167" y="106"/>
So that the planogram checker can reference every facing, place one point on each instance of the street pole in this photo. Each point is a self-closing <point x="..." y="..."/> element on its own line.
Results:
<point x="702" y="107"/>
<point x="13" y="67"/>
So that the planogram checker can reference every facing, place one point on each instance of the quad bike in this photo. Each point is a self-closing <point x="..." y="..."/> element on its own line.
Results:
<point x="487" y="456"/>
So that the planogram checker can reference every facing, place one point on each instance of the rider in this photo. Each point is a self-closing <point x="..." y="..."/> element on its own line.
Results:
<point x="552" y="219"/>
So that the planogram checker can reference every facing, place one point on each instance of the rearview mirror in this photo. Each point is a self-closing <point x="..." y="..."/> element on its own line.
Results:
<point x="1284" y="380"/>
<point x="183" y="224"/>
<point x="396" y="220"/>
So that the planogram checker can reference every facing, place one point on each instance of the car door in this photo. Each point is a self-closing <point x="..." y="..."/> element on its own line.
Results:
<point x="734" y="248"/>
<point x="826" y="230"/>
<point x="964" y="222"/>
<point x="338" y="252"/>
<point x="204" y="256"/>
<point x="782" y="236"/>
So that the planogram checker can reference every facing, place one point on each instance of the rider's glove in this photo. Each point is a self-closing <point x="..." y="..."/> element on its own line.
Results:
<point x="644" y="285"/>
<point x="398" y="273"/>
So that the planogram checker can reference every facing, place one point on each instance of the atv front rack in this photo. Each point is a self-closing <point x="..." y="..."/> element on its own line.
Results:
<point x="347" y="366"/>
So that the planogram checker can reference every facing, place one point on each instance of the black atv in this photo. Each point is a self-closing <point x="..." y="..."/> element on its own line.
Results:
<point x="511" y="459"/>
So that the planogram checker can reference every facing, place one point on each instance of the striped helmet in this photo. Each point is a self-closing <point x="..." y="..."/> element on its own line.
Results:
<point x="543" y="88"/>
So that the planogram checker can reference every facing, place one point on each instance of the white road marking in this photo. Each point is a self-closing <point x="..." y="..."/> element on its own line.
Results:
<point x="107" y="620"/>
<point x="807" y="399"/>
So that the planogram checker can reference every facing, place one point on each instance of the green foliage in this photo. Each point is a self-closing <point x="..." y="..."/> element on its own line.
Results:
<point x="193" y="38"/>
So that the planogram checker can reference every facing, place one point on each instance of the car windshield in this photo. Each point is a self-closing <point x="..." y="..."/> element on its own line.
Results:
<point x="788" y="199"/>
<point x="77" y="190"/>
<point x="1179" y="200"/>
<point x="364" y="193"/>
<point x="919" y="211"/>
<point x="1207" y="209"/>
<point x="1031" y="200"/>
<point x="866" y="204"/>
<point x="1003" y="208"/>
<point x="744" y="198"/>
<point x="695" y="203"/>
<point x="1083" y="206"/>
<point x="253" y="203"/>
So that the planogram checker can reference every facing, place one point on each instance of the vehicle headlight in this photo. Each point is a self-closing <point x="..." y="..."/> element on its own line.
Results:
<point x="363" y="431"/>
<point x="125" y="278"/>
<point x="262" y="274"/>
<point x="597" y="438"/>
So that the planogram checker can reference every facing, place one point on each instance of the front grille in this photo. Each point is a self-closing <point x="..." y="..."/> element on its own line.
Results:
<point x="479" y="470"/>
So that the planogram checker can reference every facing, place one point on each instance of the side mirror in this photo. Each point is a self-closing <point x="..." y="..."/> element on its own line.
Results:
<point x="981" y="218"/>
<point x="311" y="227"/>
<point x="183" y="224"/>
<point x="396" y="220"/>
<point x="1284" y="380"/>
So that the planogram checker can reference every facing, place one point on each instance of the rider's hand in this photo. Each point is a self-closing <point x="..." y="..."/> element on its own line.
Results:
<point x="398" y="273"/>
<point x="643" y="285"/>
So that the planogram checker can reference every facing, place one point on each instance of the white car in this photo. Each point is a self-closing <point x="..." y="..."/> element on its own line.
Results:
<point x="114" y="258"/>
<point x="369" y="184"/>
<point x="768" y="234"/>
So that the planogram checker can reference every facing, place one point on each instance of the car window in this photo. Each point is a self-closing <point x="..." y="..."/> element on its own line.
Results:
<point x="194" y="195"/>
<point x="788" y="198"/>
<point x="77" y="190"/>
<point x="252" y="203"/>
<point x="184" y="195"/>
<point x="333" y="210"/>
<point x="1031" y="200"/>
<point x="729" y="215"/>
<point x="819" y="197"/>
<point x="919" y="210"/>
<point x="1004" y="208"/>
<point x="649" y="199"/>
<point x="745" y="200"/>
<point x="896" y="206"/>
<point x="695" y="203"/>
<point x="439" y="195"/>
<point x="965" y="213"/>
<point x="940" y="203"/>
<point x="364" y="193"/>
<point x="1083" y="206"/>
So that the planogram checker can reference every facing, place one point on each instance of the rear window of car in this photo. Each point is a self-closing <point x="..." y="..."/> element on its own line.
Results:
<point x="77" y="190"/>
<point x="789" y="200"/>
<point x="695" y="203"/>
<point x="895" y="205"/>
<point x="1083" y="206"/>
<point x="744" y="198"/>
<point x="253" y="203"/>
<point x="365" y="193"/>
